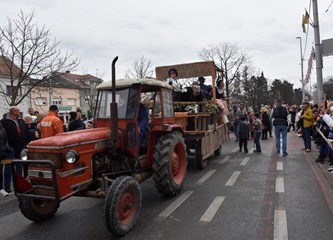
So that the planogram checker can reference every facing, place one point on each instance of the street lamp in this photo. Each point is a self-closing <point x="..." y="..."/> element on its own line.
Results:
<point x="302" y="75"/>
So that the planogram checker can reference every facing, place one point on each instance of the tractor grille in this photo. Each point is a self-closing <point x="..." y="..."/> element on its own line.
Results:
<point x="57" y="158"/>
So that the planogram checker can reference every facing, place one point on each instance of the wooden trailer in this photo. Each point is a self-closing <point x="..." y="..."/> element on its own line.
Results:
<point x="204" y="132"/>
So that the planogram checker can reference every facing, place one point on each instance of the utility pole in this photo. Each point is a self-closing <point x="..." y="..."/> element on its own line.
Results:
<point x="319" y="59"/>
<point x="302" y="75"/>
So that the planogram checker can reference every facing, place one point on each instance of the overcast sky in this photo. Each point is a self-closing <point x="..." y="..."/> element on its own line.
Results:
<point x="174" y="31"/>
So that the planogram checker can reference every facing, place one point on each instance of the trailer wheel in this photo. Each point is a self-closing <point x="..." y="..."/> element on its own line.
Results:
<point x="37" y="210"/>
<point x="122" y="205"/>
<point x="170" y="163"/>
<point x="199" y="161"/>
<point x="218" y="151"/>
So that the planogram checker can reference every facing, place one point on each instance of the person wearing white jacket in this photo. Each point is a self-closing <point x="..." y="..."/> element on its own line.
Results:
<point x="328" y="118"/>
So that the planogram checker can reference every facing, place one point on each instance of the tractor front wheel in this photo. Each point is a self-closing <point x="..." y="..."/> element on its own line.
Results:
<point x="122" y="205"/>
<point x="37" y="210"/>
<point x="170" y="163"/>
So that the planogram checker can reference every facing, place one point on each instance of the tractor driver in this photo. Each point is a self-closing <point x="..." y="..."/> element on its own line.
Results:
<point x="143" y="120"/>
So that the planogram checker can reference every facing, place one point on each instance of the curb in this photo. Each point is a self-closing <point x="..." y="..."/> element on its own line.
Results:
<point x="323" y="168"/>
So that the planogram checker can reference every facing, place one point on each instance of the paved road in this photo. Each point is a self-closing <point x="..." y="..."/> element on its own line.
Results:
<point x="238" y="196"/>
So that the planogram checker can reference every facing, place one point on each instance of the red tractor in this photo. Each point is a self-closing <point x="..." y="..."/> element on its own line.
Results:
<point x="109" y="160"/>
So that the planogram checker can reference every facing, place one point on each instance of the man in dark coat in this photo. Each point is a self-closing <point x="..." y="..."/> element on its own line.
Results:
<point x="243" y="133"/>
<point x="16" y="134"/>
<point x="280" y="123"/>
<point x="76" y="123"/>
<point x="5" y="153"/>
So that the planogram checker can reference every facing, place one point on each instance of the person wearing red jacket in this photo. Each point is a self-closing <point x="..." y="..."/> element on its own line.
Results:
<point x="51" y="125"/>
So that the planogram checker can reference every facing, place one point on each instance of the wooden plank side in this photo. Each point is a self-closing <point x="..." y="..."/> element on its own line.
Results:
<point x="212" y="141"/>
<point x="188" y="70"/>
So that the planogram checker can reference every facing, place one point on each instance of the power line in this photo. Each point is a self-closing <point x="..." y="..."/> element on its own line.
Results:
<point x="329" y="6"/>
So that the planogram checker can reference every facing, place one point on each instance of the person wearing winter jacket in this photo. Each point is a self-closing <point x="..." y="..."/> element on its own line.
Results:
<point x="16" y="135"/>
<point x="51" y="125"/>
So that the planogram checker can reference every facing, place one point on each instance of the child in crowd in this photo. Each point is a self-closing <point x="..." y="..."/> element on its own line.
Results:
<point x="243" y="133"/>
<point x="257" y="131"/>
<point x="89" y="125"/>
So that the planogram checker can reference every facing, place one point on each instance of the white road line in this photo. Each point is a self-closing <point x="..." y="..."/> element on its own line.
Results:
<point x="251" y="150"/>
<point x="211" y="211"/>
<point x="279" y="166"/>
<point x="173" y="206"/>
<point x="225" y="159"/>
<point x="244" y="162"/>
<point x="279" y="184"/>
<point x="205" y="177"/>
<point x="280" y="225"/>
<point x="235" y="150"/>
<point x="233" y="178"/>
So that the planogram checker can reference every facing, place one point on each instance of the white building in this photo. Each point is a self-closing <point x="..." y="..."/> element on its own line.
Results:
<point x="6" y="88"/>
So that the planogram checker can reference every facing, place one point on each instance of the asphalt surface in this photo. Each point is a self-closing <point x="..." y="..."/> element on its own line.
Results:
<point x="237" y="196"/>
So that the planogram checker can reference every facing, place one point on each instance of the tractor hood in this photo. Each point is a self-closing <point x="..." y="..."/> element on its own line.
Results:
<point x="71" y="139"/>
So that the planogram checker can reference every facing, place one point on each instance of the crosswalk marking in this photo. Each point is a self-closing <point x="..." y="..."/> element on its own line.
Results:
<point x="280" y="225"/>
<point x="233" y="178"/>
<point x="251" y="150"/>
<point x="244" y="162"/>
<point x="235" y="150"/>
<point x="205" y="177"/>
<point x="173" y="206"/>
<point x="225" y="159"/>
<point x="279" y="166"/>
<point x="213" y="208"/>
<point x="279" y="185"/>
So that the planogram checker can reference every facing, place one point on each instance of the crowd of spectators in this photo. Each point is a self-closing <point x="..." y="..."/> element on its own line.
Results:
<point x="312" y="122"/>
<point x="16" y="133"/>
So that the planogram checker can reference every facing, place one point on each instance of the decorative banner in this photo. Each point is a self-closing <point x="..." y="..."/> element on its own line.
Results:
<point x="310" y="64"/>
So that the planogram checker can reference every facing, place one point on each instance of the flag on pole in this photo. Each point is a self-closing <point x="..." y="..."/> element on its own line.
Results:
<point x="306" y="17"/>
<point x="305" y="20"/>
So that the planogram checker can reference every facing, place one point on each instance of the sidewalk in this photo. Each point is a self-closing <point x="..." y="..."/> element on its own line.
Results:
<point x="324" y="177"/>
<point x="322" y="167"/>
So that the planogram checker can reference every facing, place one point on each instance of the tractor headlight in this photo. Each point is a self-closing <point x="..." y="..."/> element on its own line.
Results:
<point x="72" y="156"/>
<point x="24" y="154"/>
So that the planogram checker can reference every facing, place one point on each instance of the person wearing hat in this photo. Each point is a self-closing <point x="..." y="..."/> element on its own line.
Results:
<point x="204" y="88"/>
<point x="51" y="125"/>
<point x="308" y="120"/>
<point x="219" y="89"/>
<point x="172" y="80"/>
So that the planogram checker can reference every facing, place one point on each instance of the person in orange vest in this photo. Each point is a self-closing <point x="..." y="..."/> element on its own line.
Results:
<point x="51" y="125"/>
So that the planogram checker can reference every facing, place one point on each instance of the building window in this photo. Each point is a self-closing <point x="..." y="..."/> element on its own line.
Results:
<point x="71" y="101"/>
<point x="10" y="90"/>
<point x="56" y="101"/>
<point x="40" y="101"/>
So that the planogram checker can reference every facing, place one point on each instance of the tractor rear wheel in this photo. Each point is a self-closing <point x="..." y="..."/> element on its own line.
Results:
<point x="37" y="210"/>
<point x="170" y="163"/>
<point x="122" y="205"/>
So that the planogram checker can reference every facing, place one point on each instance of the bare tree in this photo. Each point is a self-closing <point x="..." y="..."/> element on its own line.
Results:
<point x="28" y="52"/>
<point x="228" y="57"/>
<point x="141" y="68"/>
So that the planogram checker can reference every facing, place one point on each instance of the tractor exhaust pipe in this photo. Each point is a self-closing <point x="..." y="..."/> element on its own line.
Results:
<point x="114" y="105"/>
